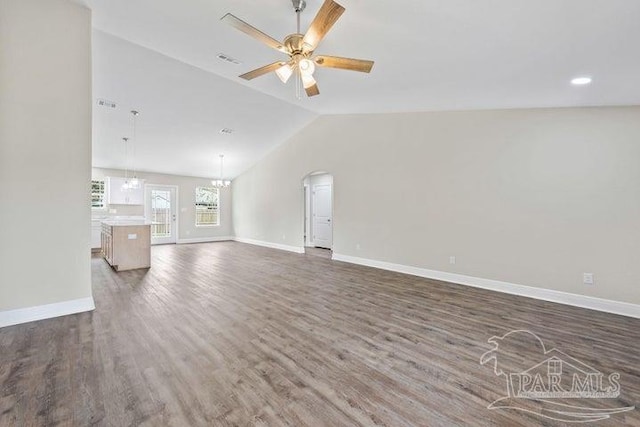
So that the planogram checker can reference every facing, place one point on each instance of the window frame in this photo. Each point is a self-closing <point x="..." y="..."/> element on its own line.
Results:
<point x="217" y="205"/>
<point x="103" y="206"/>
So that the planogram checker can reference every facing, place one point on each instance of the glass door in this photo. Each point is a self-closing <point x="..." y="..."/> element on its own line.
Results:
<point x="160" y="209"/>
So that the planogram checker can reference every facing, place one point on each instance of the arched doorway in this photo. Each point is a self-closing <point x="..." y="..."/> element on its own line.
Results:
<point x="318" y="213"/>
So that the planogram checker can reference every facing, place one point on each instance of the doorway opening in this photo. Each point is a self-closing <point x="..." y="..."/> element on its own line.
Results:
<point x="318" y="214"/>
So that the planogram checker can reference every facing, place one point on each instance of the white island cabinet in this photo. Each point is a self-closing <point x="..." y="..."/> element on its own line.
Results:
<point x="116" y="195"/>
<point x="96" y="234"/>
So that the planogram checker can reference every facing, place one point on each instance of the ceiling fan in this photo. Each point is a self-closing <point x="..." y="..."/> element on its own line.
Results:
<point x="301" y="47"/>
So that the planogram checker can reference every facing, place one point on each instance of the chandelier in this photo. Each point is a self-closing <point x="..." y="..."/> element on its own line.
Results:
<point x="221" y="182"/>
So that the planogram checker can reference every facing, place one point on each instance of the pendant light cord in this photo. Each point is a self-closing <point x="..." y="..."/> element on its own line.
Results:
<point x="134" y="113"/>
<point x="126" y="159"/>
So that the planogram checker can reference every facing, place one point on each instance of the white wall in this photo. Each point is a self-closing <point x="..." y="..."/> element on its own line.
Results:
<point x="187" y="229"/>
<point x="531" y="197"/>
<point x="45" y="157"/>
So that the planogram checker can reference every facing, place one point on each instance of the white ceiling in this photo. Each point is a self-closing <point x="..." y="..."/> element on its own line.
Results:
<point x="182" y="110"/>
<point x="430" y="55"/>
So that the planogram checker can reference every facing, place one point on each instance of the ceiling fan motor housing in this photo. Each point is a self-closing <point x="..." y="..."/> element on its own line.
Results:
<point x="293" y="43"/>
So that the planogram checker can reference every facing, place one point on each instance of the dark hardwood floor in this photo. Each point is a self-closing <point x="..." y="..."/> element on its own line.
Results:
<point x="232" y="334"/>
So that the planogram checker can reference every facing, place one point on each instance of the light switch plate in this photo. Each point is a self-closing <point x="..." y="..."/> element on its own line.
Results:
<point x="132" y="236"/>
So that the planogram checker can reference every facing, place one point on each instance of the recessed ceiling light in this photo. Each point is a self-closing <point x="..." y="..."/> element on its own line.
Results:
<point x="581" y="81"/>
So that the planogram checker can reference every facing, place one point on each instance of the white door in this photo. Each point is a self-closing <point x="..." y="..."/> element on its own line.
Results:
<point x="322" y="228"/>
<point x="307" y="216"/>
<point x="160" y="209"/>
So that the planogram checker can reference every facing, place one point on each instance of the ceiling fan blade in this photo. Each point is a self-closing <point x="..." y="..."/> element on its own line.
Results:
<point x="262" y="70"/>
<point x="312" y="90"/>
<point x="252" y="31"/>
<point x="322" y="23"/>
<point x="360" y="65"/>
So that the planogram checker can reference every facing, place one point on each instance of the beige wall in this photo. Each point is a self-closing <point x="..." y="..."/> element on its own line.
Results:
<point x="45" y="152"/>
<point x="532" y="197"/>
<point x="186" y="195"/>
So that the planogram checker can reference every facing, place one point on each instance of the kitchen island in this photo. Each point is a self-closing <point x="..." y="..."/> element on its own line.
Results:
<point x="126" y="243"/>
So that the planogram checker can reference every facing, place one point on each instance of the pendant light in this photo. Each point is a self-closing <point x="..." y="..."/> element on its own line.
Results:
<point x="134" y="183"/>
<point x="221" y="182"/>
<point x="126" y="186"/>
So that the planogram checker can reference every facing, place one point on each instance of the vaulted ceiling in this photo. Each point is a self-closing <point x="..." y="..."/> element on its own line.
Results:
<point x="430" y="55"/>
<point x="182" y="110"/>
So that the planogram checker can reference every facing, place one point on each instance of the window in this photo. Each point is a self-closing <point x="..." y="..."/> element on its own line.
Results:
<point x="555" y="367"/>
<point x="97" y="194"/>
<point x="207" y="206"/>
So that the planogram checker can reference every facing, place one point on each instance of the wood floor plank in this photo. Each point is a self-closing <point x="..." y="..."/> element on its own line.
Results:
<point x="228" y="334"/>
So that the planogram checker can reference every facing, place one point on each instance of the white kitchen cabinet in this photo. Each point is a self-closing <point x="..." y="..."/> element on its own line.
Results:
<point x="117" y="196"/>
<point x="96" y="231"/>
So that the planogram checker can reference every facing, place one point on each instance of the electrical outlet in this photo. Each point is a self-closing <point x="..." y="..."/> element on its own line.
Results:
<point x="357" y="246"/>
<point x="452" y="260"/>
<point x="284" y="236"/>
<point x="112" y="211"/>
<point x="587" y="278"/>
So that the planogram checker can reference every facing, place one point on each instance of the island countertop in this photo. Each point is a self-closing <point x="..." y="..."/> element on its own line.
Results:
<point x="126" y="222"/>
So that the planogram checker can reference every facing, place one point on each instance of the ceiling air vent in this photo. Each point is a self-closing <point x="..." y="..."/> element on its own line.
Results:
<point x="106" y="103"/>
<point x="226" y="131"/>
<point x="226" y="58"/>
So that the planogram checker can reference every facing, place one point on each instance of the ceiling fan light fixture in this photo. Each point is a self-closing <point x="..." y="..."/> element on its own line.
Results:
<point x="284" y="73"/>
<point x="306" y="66"/>
<point x="307" y="80"/>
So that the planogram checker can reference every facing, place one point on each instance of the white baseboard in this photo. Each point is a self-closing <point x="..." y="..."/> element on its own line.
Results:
<point x="41" y="312"/>
<point x="609" y="306"/>
<point x="204" y="240"/>
<point x="296" y="249"/>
